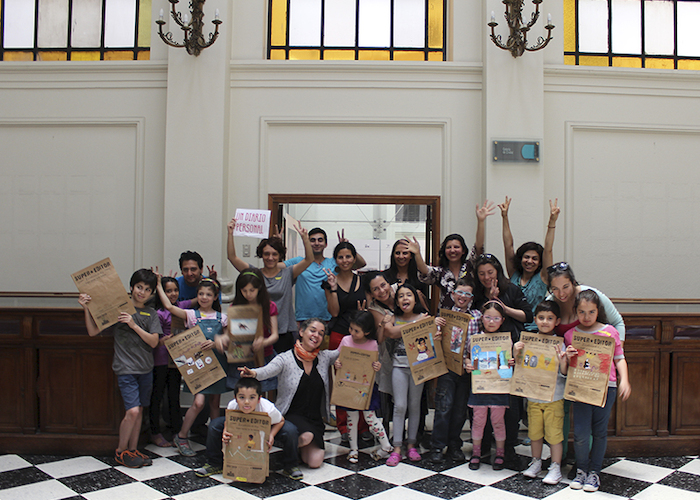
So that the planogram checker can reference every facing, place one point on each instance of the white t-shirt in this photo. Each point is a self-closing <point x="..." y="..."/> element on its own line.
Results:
<point x="264" y="406"/>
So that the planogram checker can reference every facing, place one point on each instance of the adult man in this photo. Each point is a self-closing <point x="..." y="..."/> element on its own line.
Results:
<point x="191" y="264"/>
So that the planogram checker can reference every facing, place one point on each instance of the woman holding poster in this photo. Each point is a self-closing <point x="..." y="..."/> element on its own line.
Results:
<point x="279" y="278"/>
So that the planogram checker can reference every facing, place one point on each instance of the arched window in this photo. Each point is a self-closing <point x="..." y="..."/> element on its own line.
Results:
<point x="632" y="33"/>
<point x="408" y="30"/>
<point x="74" y="30"/>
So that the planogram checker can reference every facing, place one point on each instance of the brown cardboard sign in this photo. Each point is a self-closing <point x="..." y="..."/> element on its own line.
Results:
<point x="199" y="368"/>
<point x="424" y="353"/>
<point x="354" y="381"/>
<point x="589" y="371"/>
<point x="246" y="457"/>
<point x="454" y="338"/>
<point x="245" y="325"/>
<point x="536" y="367"/>
<point x="489" y="353"/>
<point x="101" y="282"/>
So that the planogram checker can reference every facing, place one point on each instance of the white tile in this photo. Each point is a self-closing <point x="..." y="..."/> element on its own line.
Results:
<point x="401" y="493"/>
<point x="489" y="493"/>
<point x="485" y="475"/>
<point x="691" y="467"/>
<point x="334" y="450"/>
<point x="327" y="472"/>
<point x="661" y="492"/>
<point x="44" y="490"/>
<point x="131" y="491"/>
<point x="310" y="493"/>
<point x="161" y="467"/>
<point x="163" y="452"/>
<point x="401" y="474"/>
<point x="72" y="467"/>
<point x="636" y="470"/>
<point x="220" y="492"/>
<point x="12" y="462"/>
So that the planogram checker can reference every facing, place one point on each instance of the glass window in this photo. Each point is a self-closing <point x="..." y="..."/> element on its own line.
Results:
<point x="409" y="30"/>
<point x="78" y="30"/>
<point x="632" y="33"/>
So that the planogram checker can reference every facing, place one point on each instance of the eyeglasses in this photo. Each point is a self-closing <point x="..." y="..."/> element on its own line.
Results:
<point x="493" y="319"/>
<point x="462" y="293"/>
<point x="559" y="266"/>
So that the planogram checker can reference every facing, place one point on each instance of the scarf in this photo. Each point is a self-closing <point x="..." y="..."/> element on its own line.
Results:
<point x="303" y="354"/>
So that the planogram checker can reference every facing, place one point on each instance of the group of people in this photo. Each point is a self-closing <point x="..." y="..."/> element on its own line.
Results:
<point x="334" y="306"/>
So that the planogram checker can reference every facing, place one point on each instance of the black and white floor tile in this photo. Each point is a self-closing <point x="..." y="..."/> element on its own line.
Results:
<point x="43" y="477"/>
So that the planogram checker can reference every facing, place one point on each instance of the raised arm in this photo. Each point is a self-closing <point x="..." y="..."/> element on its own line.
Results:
<point x="414" y="248"/>
<point x="234" y="259"/>
<point x="547" y="255"/>
<point x="84" y="299"/>
<point x="173" y="309"/>
<point x="332" y="293"/>
<point x="488" y="208"/>
<point x="300" y="267"/>
<point x="507" y="237"/>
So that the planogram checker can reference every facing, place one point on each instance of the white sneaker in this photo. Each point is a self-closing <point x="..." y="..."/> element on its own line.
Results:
<point x="554" y="474"/>
<point x="534" y="468"/>
<point x="578" y="481"/>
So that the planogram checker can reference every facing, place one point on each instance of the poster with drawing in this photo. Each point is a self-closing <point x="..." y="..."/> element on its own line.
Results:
<point x="454" y="338"/>
<point x="536" y="367"/>
<point x="489" y="354"/>
<point x="424" y="353"/>
<point x="589" y="371"/>
<point x="246" y="458"/>
<point x="101" y="282"/>
<point x="245" y="325"/>
<point x="354" y="381"/>
<point x="199" y="368"/>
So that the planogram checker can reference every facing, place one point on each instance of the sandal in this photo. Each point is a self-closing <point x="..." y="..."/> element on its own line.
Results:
<point x="475" y="462"/>
<point x="160" y="441"/>
<point x="413" y="455"/>
<point x="353" y="457"/>
<point x="498" y="462"/>
<point x="393" y="459"/>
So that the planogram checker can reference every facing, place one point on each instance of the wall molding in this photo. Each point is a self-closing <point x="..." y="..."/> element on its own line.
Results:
<point x="82" y="74"/>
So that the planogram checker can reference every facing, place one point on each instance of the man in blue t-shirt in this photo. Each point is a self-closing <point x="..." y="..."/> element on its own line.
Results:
<point x="310" y="300"/>
<point x="191" y="264"/>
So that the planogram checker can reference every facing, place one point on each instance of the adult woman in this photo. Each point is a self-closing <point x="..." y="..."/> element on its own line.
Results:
<point x="279" y="278"/>
<point x="453" y="263"/>
<point x="527" y="267"/>
<point x="403" y="269"/>
<point x="303" y="389"/>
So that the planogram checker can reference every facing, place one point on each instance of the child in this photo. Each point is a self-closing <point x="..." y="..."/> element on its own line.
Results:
<point x="247" y="400"/>
<point x="212" y="322"/>
<point x="453" y="390"/>
<point x="135" y="336"/>
<point x="547" y="419"/>
<point x="251" y="289"/>
<point x="592" y="420"/>
<point x="407" y="395"/>
<point x="492" y="318"/>
<point x="363" y="336"/>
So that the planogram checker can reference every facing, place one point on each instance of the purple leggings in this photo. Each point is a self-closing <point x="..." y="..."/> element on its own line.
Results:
<point x="497" y="422"/>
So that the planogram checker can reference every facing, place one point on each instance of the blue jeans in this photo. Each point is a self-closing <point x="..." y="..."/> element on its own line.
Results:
<point x="592" y="421"/>
<point x="451" y="398"/>
<point x="287" y="439"/>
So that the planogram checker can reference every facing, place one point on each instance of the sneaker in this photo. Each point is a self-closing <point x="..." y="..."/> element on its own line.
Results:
<point x="592" y="482"/>
<point x="437" y="457"/>
<point x="381" y="454"/>
<point x="578" y="481"/>
<point x="208" y="470"/>
<point x="183" y="446"/>
<point x="128" y="459"/>
<point x="146" y="459"/>
<point x="353" y="457"/>
<point x="293" y="473"/>
<point x="554" y="474"/>
<point x="534" y="468"/>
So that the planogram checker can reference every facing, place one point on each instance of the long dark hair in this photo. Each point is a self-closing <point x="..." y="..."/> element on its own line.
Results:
<point x="479" y="289"/>
<point x="561" y="269"/>
<point x="417" y="308"/>
<point x="365" y="321"/>
<point x="392" y="272"/>
<point x="526" y="247"/>
<point x="164" y="281"/>
<point x="255" y="278"/>
<point x="443" y="262"/>
<point x="593" y="298"/>
<point x="215" y="287"/>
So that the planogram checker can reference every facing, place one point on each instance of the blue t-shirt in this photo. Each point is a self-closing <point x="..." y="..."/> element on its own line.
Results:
<point x="310" y="300"/>
<point x="188" y="292"/>
<point x="535" y="292"/>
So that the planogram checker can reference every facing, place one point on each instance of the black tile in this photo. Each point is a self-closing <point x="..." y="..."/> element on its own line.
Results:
<point x="98" y="480"/>
<point x="189" y="462"/>
<point x="621" y="486"/>
<point x="428" y="464"/>
<point x="668" y="462"/>
<point x="275" y="484"/>
<point x="20" y="477"/>
<point x="607" y="462"/>
<point x="682" y="480"/>
<point x="443" y="486"/>
<point x="534" y="488"/>
<point x="45" y="459"/>
<point x="177" y="484"/>
<point x="355" y="486"/>
<point x="364" y="462"/>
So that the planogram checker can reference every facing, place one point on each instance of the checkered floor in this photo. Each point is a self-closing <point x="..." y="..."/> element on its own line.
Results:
<point x="42" y="477"/>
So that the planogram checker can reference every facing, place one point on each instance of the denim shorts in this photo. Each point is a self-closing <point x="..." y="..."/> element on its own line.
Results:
<point x="136" y="389"/>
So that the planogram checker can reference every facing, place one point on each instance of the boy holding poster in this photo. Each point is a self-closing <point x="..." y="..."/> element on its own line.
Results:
<point x="135" y="336"/>
<point x="546" y="419"/>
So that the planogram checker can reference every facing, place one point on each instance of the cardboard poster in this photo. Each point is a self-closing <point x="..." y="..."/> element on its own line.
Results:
<point x="253" y="223"/>
<point x="589" y="372"/>
<point x="354" y="381"/>
<point x="454" y="338"/>
<point x="199" y="368"/>
<point x="101" y="282"/>
<point x="424" y="353"/>
<point x="490" y="353"/>
<point x="536" y="367"/>
<point x="246" y="458"/>
<point x="245" y="325"/>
